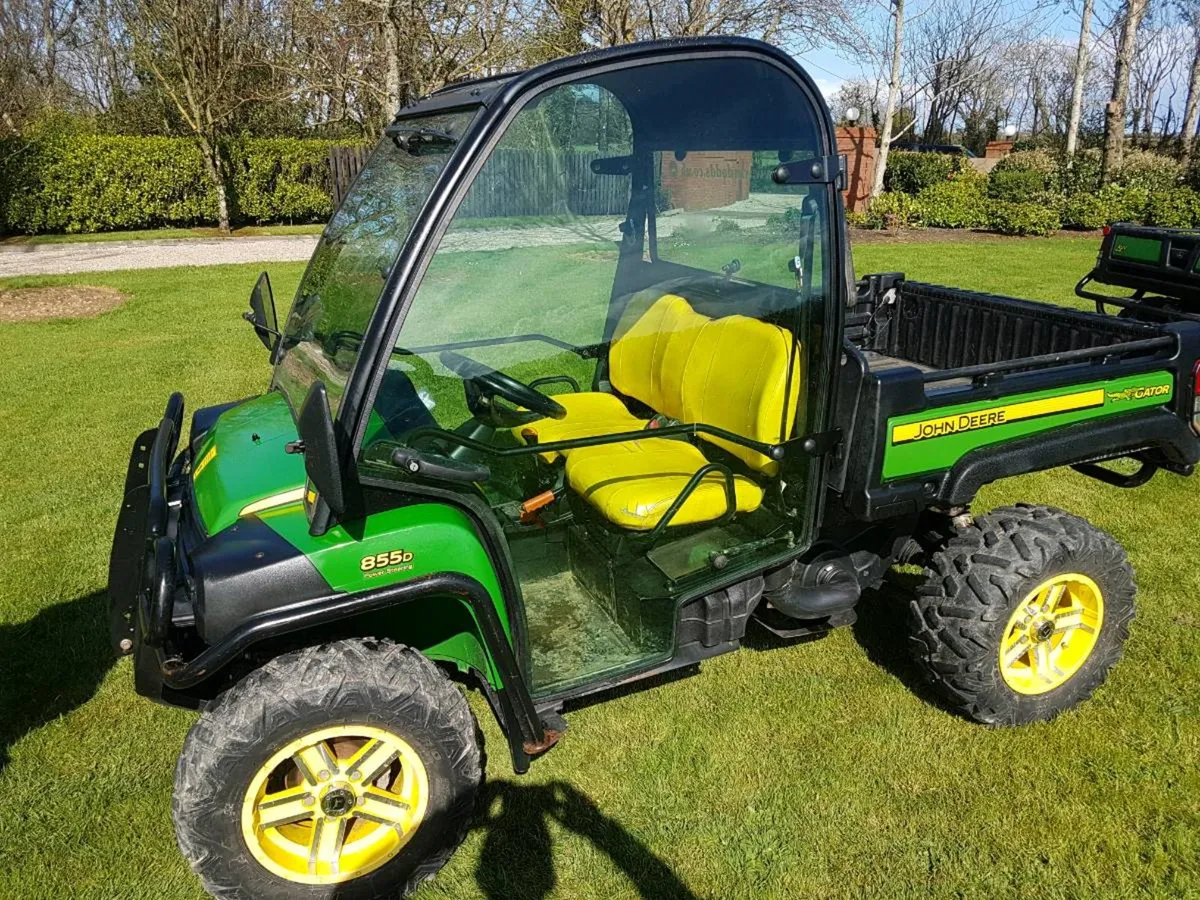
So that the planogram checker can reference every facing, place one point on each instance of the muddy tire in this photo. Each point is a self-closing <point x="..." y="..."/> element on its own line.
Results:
<point x="1022" y="614"/>
<point x="349" y="769"/>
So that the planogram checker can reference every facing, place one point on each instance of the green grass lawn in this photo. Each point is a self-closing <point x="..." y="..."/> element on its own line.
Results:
<point x="159" y="234"/>
<point x="819" y="769"/>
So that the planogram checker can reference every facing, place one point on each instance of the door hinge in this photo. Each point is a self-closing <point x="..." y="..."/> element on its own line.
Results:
<point x="818" y="170"/>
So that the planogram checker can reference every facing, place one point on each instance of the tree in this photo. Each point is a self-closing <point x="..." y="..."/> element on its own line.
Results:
<point x="953" y="47"/>
<point x="1187" y="130"/>
<point x="979" y="129"/>
<point x="896" y="51"/>
<point x="33" y="37"/>
<point x="1080" y="75"/>
<point x="1114" y="112"/>
<point x="861" y="95"/>
<point x="207" y="56"/>
<point x="1162" y="47"/>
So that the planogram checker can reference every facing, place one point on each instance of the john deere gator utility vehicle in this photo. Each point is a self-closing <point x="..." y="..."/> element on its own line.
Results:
<point x="577" y="384"/>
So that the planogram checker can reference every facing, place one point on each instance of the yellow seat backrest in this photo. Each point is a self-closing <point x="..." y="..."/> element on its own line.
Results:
<point x="729" y="372"/>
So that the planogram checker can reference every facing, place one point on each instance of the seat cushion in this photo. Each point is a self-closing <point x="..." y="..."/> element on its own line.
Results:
<point x="736" y="378"/>
<point x="588" y="414"/>
<point x="651" y="349"/>
<point x="634" y="483"/>
<point x="730" y="372"/>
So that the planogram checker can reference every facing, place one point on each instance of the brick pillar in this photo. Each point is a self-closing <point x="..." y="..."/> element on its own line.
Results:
<point x="997" y="149"/>
<point x="858" y="146"/>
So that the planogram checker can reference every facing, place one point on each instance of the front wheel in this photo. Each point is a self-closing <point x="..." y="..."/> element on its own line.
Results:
<point x="1022" y="614"/>
<point x="347" y="770"/>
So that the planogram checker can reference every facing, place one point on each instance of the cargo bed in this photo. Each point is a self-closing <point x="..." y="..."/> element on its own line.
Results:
<point x="943" y="390"/>
<point x="957" y="337"/>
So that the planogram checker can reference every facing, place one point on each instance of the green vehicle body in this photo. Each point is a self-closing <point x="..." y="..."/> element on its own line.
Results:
<point x="903" y="421"/>
<point x="239" y="461"/>
<point x="935" y="443"/>
<point x="232" y="476"/>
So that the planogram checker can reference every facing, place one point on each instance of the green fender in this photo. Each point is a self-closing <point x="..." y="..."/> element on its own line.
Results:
<point x="396" y="545"/>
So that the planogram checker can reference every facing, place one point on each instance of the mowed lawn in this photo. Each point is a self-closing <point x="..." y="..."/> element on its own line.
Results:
<point x="821" y="769"/>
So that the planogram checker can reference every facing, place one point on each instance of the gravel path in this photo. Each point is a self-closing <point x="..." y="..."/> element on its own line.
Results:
<point x="108" y="256"/>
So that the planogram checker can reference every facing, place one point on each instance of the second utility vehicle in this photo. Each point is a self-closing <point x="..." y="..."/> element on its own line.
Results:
<point x="577" y="384"/>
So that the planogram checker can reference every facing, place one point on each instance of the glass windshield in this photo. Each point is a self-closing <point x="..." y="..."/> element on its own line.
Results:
<point x="602" y="196"/>
<point x="355" y="255"/>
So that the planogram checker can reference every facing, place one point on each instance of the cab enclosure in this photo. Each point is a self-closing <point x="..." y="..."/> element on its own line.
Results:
<point x="617" y="341"/>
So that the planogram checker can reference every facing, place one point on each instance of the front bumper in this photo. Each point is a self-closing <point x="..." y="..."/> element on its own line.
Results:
<point x="143" y="571"/>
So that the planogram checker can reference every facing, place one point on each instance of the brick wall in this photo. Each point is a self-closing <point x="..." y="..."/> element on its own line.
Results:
<point x="713" y="179"/>
<point x="858" y="146"/>
<point x="707" y="179"/>
<point x="997" y="149"/>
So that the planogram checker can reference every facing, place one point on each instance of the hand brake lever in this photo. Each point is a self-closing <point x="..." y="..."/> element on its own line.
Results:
<point x="438" y="468"/>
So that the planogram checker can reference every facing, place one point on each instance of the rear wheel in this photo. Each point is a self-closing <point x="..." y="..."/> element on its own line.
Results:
<point x="1023" y="614"/>
<point x="345" y="770"/>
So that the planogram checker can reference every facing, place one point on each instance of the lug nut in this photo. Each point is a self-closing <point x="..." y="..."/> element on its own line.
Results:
<point x="323" y="775"/>
<point x="308" y="800"/>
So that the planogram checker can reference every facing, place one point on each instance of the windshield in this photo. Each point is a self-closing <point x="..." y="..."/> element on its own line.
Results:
<point x="603" y="196"/>
<point x="355" y="255"/>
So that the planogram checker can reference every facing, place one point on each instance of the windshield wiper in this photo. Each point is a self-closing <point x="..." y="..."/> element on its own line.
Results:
<point x="415" y="140"/>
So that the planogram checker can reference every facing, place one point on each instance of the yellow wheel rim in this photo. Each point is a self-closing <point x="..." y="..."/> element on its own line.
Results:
<point x="335" y="804"/>
<point x="1051" y="634"/>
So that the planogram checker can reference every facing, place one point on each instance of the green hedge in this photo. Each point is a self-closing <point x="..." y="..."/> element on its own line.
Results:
<point x="1112" y="203"/>
<point x="1017" y="185"/>
<point x="892" y="210"/>
<point x="964" y="204"/>
<point x="1022" y="218"/>
<point x="961" y="203"/>
<point x="909" y="172"/>
<point x="1177" y="207"/>
<point x="1085" y="211"/>
<point x="281" y="179"/>
<point x="1148" y="171"/>
<point x="86" y="183"/>
<point x="1028" y="161"/>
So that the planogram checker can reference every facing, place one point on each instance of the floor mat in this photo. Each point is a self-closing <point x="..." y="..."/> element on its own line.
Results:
<point x="570" y="635"/>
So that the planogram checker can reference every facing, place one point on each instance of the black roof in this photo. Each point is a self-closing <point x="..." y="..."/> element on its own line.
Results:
<point x="482" y="91"/>
<point x="458" y="94"/>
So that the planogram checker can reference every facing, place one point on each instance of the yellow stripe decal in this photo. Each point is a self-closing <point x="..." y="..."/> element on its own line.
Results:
<point x="292" y="496"/>
<point x="205" y="460"/>
<point x="996" y="415"/>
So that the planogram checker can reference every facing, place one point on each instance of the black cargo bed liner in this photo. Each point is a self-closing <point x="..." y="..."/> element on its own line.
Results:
<point x="953" y="334"/>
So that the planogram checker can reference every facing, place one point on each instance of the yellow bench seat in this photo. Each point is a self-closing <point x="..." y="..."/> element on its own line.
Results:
<point x="632" y="484"/>
<point x="730" y="372"/>
<point x="588" y="414"/>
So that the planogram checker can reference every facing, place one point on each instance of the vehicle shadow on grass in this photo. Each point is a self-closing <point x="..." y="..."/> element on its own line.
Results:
<point x="517" y="859"/>
<point x="882" y="631"/>
<point x="50" y="665"/>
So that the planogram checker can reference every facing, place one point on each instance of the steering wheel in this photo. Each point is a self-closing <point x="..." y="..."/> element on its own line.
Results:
<point x="491" y="383"/>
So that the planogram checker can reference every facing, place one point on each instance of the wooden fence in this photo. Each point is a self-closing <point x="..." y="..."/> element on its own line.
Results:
<point x="517" y="183"/>
<point x="344" y="164"/>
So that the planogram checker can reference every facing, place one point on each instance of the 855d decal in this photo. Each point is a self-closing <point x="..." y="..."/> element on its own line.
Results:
<point x="389" y="561"/>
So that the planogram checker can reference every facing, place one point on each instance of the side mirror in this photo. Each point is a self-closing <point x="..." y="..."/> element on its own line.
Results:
<point x="262" y="312"/>
<point x="318" y="443"/>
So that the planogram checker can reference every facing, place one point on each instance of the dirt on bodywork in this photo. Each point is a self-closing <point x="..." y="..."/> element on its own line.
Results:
<point x="74" y="301"/>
